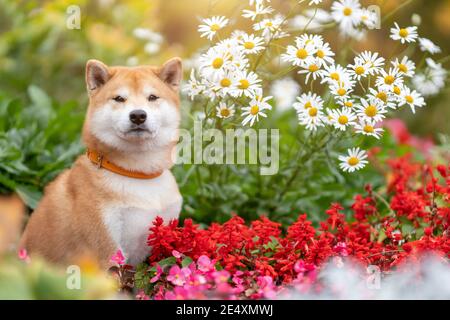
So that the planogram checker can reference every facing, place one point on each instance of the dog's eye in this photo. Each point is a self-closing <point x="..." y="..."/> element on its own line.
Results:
<point x="152" y="97"/>
<point x="119" y="99"/>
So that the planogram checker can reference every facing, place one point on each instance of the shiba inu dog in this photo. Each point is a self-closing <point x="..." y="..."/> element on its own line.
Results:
<point x="109" y="198"/>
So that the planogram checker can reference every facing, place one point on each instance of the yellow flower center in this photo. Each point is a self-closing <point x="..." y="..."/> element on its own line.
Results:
<point x="389" y="79"/>
<point x="409" y="99"/>
<point x="382" y="96"/>
<point x="353" y="161"/>
<point x="312" y="112"/>
<point x="225" y="82"/>
<point x="217" y="63"/>
<point x="225" y="112"/>
<point x="341" y="92"/>
<point x="308" y="105"/>
<point x="244" y="84"/>
<point x="359" y="70"/>
<point x="320" y="54"/>
<point x="334" y="76"/>
<point x="397" y="90"/>
<point x="347" y="11"/>
<point x="403" y="33"/>
<point x="269" y="24"/>
<point x="313" y="68"/>
<point x="302" y="54"/>
<point x="403" y="68"/>
<point x="368" y="129"/>
<point x="249" y="45"/>
<point x="371" y="111"/>
<point x="215" y="27"/>
<point x="343" y="120"/>
<point x="348" y="104"/>
<point x="254" y="110"/>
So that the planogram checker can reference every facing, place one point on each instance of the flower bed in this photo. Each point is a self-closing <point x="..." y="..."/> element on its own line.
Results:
<point x="239" y="261"/>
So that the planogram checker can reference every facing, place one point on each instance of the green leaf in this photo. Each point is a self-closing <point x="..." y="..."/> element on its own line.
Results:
<point x="186" y="262"/>
<point x="168" y="261"/>
<point x="30" y="195"/>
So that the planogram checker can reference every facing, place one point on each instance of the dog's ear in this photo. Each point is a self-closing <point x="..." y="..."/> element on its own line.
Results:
<point x="97" y="74"/>
<point x="171" y="73"/>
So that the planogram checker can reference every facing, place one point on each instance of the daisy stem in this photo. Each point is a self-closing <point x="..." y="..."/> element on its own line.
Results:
<point x="310" y="20"/>
<point x="393" y="12"/>
<point x="384" y="201"/>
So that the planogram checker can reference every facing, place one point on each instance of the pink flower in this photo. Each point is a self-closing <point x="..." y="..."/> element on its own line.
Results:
<point x="23" y="255"/>
<point x="178" y="276"/>
<point x="176" y="254"/>
<point x="266" y="287"/>
<point x="302" y="267"/>
<point x="341" y="248"/>
<point x="205" y="264"/>
<point x="118" y="258"/>
<point x="221" y="276"/>
<point x="142" y="296"/>
<point x="159" y="272"/>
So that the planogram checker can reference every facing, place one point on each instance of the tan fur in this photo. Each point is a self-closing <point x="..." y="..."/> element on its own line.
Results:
<point x="68" y="223"/>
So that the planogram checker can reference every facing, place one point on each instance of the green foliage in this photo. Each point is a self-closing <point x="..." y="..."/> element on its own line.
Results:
<point x="38" y="139"/>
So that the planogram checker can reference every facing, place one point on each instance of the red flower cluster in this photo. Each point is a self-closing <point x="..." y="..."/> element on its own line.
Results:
<point x="382" y="233"/>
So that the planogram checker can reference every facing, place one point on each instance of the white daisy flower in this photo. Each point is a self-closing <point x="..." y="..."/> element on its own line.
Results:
<point x="371" y="110"/>
<point x="324" y="54"/>
<point x="373" y="61"/>
<point x="234" y="53"/>
<point x="359" y="69"/>
<point x="408" y="34"/>
<point x="284" y="91"/>
<point x="311" y="118"/>
<point x="300" y="55"/>
<point x="255" y="110"/>
<point x="342" y="118"/>
<point x="412" y="98"/>
<point x="389" y="80"/>
<point x="406" y="67"/>
<point x="211" y="26"/>
<point x="247" y="83"/>
<point x="308" y="100"/>
<point x="314" y="2"/>
<point x="342" y="89"/>
<point x="271" y="27"/>
<point x="346" y="13"/>
<point x="368" y="128"/>
<point x="335" y="73"/>
<point x="432" y="80"/>
<point x="347" y="103"/>
<point x="427" y="45"/>
<point x="193" y="86"/>
<point x="251" y="44"/>
<point x="383" y="96"/>
<point x="224" y="111"/>
<point x="215" y="62"/>
<point x="260" y="10"/>
<point x="312" y="70"/>
<point x="369" y="18"/>
<point x="226" y="83"/>
<point x="354" y="160"/>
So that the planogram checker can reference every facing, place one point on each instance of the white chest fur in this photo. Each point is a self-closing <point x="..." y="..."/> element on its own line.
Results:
<point x="130" y="214"/>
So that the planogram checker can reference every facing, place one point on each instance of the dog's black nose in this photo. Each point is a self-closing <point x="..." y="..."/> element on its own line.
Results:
<point x="138" y="116"/>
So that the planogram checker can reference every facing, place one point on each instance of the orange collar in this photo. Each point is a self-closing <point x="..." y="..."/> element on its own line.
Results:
<point x="101" y="162"/>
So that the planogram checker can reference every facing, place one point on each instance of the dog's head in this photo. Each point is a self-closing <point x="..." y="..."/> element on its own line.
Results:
<point x="132" y="109"/>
